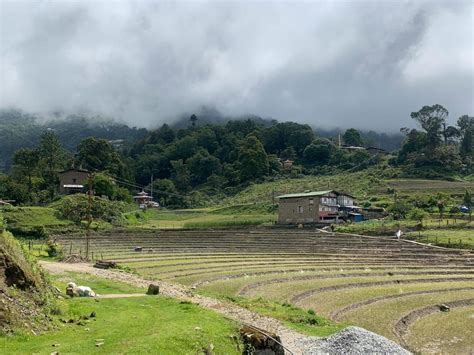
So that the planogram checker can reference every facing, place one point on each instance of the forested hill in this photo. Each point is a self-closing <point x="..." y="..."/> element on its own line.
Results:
<point x="23" y="130"/>
<point x="203" y="160"/>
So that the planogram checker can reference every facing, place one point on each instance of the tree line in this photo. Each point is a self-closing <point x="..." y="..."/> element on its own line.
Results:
<point x="188" y="164"/>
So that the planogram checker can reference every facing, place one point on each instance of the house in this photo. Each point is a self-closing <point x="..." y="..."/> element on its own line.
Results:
<point x="344" y="199"/>
<point x="72" y="180"/>
<point x="288" y="164"/>
<point x="142" y="199"/>
<point x="308" y="207"/>
<point x="375" y="150"/>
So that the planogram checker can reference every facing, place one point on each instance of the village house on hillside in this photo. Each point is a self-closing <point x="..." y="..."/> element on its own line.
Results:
<point x="72" y="180"/>
<point x="316" y="207"/>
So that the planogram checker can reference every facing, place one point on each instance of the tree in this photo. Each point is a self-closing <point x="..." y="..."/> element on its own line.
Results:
<point x="167" y="194"/>
<point x="104" y="185"/>
<point x="466" y="131"/>
<point x="202" y="165"/>
<point x="193" y="119"/>
<point x="432" y="119"/>
<point x="318" y="154"/>
<point x="417" y="214"/>
<point x="164" y="134"/>
<point x="467" y="201"/>
<point x="25" y="163"/>
<point x="352" y="137"/>
<point x="253" y="159"/>
<point x="441" y="204"/>
<point x="98" y="154"/>
<point x="52" y="158"/>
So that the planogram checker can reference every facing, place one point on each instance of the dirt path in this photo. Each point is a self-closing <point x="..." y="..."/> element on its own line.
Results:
<point x="289" y="337"/>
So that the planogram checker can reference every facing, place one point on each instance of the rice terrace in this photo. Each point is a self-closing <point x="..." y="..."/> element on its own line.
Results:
<point x="391" y="287"/>
<point x="237" y="177"/>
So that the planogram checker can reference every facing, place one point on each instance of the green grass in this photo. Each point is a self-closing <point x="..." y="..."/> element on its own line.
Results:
<point x="99" y="285"/>
<point x="304" y="321"/>
<point x="33" y="217"/>
<point x="200" y="218"/>
<point x="449" y="237"/>
<point x="149" y="324"/>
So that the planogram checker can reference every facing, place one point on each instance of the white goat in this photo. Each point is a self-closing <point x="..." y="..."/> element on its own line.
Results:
<point x="81" y="291"/>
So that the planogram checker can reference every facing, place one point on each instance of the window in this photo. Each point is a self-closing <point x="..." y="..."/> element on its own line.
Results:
<point x="300" y="209"/>
<point x="311" y="201"/>
<point x="74" y="180"/>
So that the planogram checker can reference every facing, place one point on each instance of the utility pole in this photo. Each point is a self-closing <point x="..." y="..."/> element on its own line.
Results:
<point x="89" y="212"/>
<point x="151" y="184"/>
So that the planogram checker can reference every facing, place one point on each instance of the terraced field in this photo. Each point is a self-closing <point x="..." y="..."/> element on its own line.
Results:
<point x="391" y="287"/>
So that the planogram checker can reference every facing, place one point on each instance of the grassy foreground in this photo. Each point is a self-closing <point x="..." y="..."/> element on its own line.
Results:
<point x="139" y="325"/>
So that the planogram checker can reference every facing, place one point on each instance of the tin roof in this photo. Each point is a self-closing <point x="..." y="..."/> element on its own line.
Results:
<point x="306" y="194"/>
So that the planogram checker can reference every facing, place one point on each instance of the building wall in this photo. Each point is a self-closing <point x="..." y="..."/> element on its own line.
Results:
<point x="298" y="210"/>
<point x="71" y="177"/>
<point x="345" y="200"/>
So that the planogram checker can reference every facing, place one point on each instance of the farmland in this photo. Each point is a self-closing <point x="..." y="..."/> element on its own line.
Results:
<point x="367" y="281"/>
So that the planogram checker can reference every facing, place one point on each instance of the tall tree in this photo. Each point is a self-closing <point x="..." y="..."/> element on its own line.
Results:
<point x="352" y="137"/>
<point x="467" y="201"/>
<point x="99" y="154"/>
<point x="25" y="163"/>
<point x="432" y="119"/>
<point x="253" y="159"/>
<point x="53" y="157"/>
<point x="466" y="131"/>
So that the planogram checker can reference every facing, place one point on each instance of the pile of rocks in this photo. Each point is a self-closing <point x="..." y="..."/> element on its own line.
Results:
<point x="351" y="340"/>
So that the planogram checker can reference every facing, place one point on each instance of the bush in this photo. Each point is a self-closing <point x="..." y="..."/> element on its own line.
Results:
<point x="53" y="248"/>
<point x="75" y="208"/>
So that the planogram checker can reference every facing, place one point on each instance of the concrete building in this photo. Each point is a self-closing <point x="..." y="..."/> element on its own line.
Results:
<point x="308" y="207"/>
<point x="72" y="180"/>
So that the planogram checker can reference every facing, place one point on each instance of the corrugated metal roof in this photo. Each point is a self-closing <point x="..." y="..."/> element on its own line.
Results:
<point x="306" y="194"/>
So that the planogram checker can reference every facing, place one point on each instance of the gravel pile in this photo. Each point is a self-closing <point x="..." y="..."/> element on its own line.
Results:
<point x="351" y="340"/>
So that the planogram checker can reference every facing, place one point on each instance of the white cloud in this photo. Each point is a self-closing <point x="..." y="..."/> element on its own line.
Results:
<point x="367" y="64"/>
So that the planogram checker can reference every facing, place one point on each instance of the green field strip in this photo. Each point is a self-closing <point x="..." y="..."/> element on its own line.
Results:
<point x="198" y="280"/>
<point x="382" y="316"/>
<point x="206" y="269"/>
<point x="289" y="290"/>
<point x="444" y="332"/>
<point x="392" y="275"/>
<point x="328" y="303"/>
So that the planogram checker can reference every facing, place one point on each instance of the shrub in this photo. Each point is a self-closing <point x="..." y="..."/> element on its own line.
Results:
<point x="53" y="248"/>
<point x="75" y="208"/>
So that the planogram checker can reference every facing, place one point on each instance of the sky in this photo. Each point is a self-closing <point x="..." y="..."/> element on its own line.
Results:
<point x="363" y="64"/>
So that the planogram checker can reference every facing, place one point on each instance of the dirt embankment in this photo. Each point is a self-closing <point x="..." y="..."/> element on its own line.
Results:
<point x="26" y="299"/>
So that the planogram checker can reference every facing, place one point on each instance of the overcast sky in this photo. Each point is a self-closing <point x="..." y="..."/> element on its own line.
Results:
<point x="365" y="64"/>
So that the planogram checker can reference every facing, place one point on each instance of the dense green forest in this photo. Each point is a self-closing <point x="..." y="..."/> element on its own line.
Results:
<point x="193" y="160"/>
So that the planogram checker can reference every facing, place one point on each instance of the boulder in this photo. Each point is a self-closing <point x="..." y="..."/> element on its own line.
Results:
<point x="444" y="307"/>
<point x="153" y="289"/>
